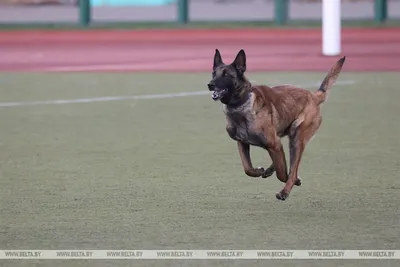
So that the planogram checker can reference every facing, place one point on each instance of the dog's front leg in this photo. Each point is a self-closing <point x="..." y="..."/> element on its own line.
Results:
<point x="277" y="155"/>
<point x="244" y="152"/>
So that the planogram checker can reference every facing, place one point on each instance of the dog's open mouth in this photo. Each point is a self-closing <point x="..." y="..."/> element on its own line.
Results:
<point x="218" y="94"/>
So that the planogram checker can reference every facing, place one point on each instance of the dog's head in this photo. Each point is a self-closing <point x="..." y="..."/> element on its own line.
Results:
<point x="228" y="81"/>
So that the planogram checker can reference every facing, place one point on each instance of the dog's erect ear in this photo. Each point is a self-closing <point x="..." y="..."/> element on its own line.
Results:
<point x="240" y="61"/>
<point x="217" y="59"/>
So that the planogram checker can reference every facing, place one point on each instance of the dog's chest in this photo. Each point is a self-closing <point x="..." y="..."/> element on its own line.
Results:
<point x="241" y="125"/>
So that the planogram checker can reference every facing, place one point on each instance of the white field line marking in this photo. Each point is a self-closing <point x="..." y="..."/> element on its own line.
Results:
<point x="113" y="67"/>
<point x="132" y="97"/>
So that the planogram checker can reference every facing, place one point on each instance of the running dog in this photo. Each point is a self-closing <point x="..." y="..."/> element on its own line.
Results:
<point x="260" y="116"/>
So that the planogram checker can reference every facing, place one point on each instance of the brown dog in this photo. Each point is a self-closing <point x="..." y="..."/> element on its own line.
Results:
<point x="259" y="115"/>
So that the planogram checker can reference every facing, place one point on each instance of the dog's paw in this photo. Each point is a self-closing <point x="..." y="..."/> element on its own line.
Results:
<point x="282" y="195"/>
<point x="298" y="181"/>
<point x="255" y="172"/>
<point x="268" y="172"/>
<point x="259" y="171"/>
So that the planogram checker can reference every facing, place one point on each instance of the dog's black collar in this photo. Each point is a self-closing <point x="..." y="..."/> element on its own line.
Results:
<point x="240" y="100"/>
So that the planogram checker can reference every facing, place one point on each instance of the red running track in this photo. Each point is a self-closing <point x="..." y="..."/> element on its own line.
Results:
<point x="193" y="50"/>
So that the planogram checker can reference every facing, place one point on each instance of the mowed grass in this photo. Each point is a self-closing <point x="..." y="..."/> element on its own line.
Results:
<point x="163" y="173"/>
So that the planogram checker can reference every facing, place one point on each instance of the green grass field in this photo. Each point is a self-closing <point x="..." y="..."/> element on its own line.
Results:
<point x="163" y="174"/>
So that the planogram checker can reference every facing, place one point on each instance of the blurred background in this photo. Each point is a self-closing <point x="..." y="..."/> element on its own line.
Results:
<point x="282" y="11"/>
<point x="140" y="159"/>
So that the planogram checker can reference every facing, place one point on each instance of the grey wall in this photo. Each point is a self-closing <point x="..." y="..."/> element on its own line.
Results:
<point x="199" y="10"/>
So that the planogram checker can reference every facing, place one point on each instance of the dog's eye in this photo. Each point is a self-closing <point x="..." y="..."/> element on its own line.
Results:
<point x="225" y="74"/>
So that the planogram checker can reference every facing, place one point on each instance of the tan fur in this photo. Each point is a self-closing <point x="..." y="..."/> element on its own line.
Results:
<point x="271" y="113"/>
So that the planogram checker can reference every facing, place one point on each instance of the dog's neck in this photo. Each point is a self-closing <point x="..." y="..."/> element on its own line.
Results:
<point x="243" y="94"/>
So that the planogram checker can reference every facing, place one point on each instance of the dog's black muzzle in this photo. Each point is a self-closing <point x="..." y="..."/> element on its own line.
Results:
<point x="218" y="93"/>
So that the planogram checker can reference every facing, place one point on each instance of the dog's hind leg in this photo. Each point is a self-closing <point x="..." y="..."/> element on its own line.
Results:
<point x="298" y="138"/>
<point x="292" y="144"/>
<point x="292" y="151"/>
<point x="244" y="152"/>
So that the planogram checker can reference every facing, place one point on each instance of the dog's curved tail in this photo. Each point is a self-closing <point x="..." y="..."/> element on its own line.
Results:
<point x="328" y="82"/>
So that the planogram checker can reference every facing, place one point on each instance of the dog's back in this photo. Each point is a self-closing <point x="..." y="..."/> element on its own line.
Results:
<point x="279" y="106"/>
<point x="285" y="103"/>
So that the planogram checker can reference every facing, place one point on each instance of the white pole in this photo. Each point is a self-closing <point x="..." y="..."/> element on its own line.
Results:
<point x="331" y="26"/>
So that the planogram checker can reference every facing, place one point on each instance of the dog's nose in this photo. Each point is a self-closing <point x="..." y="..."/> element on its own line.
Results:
<point x="211" y="86"/>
